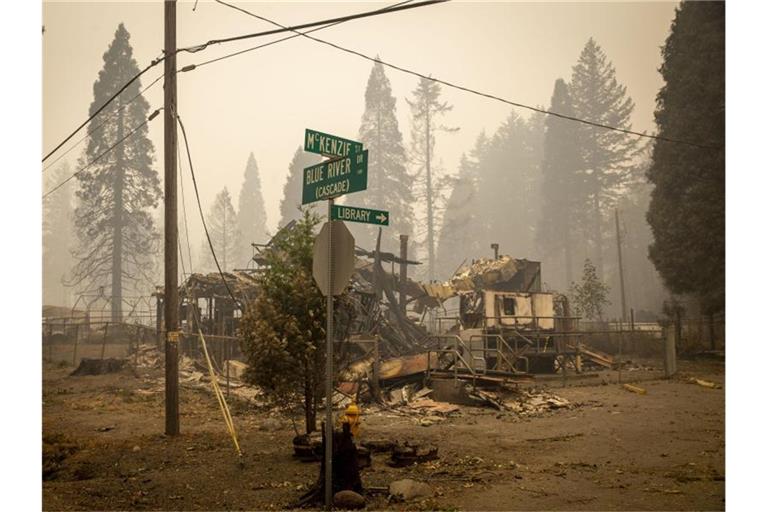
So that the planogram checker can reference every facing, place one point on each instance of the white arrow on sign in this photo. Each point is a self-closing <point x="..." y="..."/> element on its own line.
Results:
<point x="381" y="218"/>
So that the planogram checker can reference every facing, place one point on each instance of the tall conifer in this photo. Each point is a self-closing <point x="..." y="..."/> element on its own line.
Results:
<point x="289" y="206"/>
<point x="390" y="187"/>
<point x="559" y="196"/>
<point x="606" y="156"/>
<point x="225" y="235"/>
<point x="116" y="195"/>
<point x="687" y="209"/>
<point x="251" y="215"/>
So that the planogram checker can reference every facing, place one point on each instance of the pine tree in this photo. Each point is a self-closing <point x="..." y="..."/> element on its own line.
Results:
<point x="509" y="169"/>
<point x="463" y="216"/>
<point x="455" y="237"/>
<point x="251" y="216"/>
<point x="559" y="193"/>
<point x="606" y="156"/>
<point x="289" y="206"/>
<point x="644" y="289"/>
<point x="425" y="112"/>
<point x="57" y="237"/>
<point x="687" y="209"/>
<point x="225" y="236"/>
<point x="116" y="195"/>
<point x="389" y="184"/>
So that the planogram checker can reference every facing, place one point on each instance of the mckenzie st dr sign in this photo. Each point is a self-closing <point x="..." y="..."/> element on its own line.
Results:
<point x="329" y="145"/>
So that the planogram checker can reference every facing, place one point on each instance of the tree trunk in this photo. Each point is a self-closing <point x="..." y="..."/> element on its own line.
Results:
<point x="430" y="213"/>
<point x="712" y="331"/>
<point x="310" y="411"/>
<point x="224" y="243"/>
<point x="597" y="235"/>
<point x="568" y="263"/>
<point x="117" y="251"/>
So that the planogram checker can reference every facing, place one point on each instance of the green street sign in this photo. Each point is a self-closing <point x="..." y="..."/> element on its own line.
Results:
<point x="335" y="178"/>
<point x="364" y="215"/>
<point x="329" y="145"/>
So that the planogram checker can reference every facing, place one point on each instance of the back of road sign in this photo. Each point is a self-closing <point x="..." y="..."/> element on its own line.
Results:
<point x="343" y="258"/>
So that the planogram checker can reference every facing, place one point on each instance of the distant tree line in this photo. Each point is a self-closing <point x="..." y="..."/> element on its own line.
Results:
<point x="542" y="187"/>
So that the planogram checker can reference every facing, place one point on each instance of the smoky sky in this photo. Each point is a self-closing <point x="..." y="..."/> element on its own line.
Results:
<point x="262" y="101"/>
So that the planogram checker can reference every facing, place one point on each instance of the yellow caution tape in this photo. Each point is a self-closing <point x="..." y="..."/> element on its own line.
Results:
<point x="220" y="397"/>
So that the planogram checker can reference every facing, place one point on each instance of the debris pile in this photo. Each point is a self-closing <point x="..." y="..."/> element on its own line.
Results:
<point x="99" y="366"/>
<point x="149" y="357"/>
<point x="407" y="489"/>
<point x="407" y="454"/>
<point x="532" y="403"/>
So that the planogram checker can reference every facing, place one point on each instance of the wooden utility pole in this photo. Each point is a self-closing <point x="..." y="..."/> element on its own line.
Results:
<point x="621" y="268"/>
<point x="171" y="299"/>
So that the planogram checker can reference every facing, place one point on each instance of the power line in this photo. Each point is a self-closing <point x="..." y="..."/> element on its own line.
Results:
<point x="198" y="48"/>
<point x="202" y="217"/>
<point x="184" y="208"/>
<point x="366" y="14"/>
<point x="98" y="111"/>
<point x="113" y="146"/>
<point x="473" y="91"/>
<point x="227" y="56"/>
<point x="106" y="120"/>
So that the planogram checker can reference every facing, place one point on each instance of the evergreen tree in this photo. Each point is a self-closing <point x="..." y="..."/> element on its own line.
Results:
<point x="425" y="111"/>
<point x="606" y="156"/>
<point x="644" y="289"/>
<point x="687" y="209"/>
<point x="225" y="235"/>
<point x="57" y="237"/>
<point x="289" y="206"/>
<point x="116" y="195"/>
<point x="283" y="331"/>
<point x="251" y="216"/>
<point x="508" y="169"/>
<point x="463" y="216"/>
<point x="389" y="184"/>
<point x="559" y="193"/>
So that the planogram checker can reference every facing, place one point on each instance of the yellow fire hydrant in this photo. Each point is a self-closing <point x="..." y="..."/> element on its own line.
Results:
<point x="352" y="417"/>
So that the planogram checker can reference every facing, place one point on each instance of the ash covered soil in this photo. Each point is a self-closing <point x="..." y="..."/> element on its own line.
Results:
<point x="610" y="449"/>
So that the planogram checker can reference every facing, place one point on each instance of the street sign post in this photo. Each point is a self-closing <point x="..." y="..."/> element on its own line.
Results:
<point x="363" y="215"/>
<point x="336" y="235"/>
<point x="329" y="145"/>
<point x="334" y="178"/>
<point x="333" y="256"/>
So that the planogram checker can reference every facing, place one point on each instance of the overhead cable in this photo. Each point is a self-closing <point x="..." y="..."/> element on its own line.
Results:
<point x="113" y="146"/>
<point x="106" y="120"/>
<point x="202" y="217"/>
<point x="474" y="91"/>
<point x="200" y="47"/>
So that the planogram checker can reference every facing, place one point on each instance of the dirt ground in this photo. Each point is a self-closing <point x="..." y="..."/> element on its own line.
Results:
<point x="103" y="449"/>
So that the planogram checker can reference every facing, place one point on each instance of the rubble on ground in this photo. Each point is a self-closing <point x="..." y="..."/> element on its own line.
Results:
<point x="149" y="356"/>
<point x="414" y="400"/>
<point x="407" y="454"/>
<point x="532" y="403"/>
<point x="99" y="366"/>
<point x="407" y="489"/>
